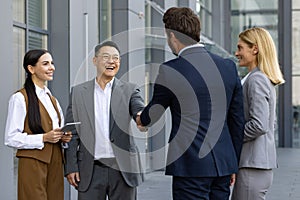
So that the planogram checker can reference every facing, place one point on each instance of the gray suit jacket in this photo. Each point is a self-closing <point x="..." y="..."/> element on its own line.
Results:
<point x="259" y="149"/>
<point x="125" y="103"/>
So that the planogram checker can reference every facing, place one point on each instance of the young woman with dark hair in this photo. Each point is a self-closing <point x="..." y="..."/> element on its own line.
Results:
<point x="32" y="127"/>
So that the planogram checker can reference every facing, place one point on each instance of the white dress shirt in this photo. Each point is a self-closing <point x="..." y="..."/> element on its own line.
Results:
<point x="14" y="136"/>
<point x="190" y="46"/>
<point x="244" y="79"/>
<point x="103" y="148"/>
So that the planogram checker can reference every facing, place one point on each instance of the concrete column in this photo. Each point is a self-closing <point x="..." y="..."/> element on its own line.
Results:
<point x="8" y="84"/>
<point x="84" y="29"/>
<point x="285" y="59"/>
<point x="59" y="47"/>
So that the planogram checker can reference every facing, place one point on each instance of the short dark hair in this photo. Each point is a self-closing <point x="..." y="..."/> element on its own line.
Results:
<point x="106" y="43"/>
<point x="184" y="23"/>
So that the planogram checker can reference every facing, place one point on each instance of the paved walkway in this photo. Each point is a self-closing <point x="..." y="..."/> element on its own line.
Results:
<point x="286" y="184"/>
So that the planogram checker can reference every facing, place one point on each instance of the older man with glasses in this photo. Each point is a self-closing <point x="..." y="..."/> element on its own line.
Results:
<point x="102" y="159"/>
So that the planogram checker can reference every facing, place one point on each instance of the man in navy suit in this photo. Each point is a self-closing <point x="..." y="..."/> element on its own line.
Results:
<point x="204" y="94"/>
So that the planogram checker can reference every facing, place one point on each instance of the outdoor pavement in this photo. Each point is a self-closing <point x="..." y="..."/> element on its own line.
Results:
<point x="286" y="183"/>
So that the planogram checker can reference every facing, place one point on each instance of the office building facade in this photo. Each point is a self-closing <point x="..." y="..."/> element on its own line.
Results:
<point x="71" y="29"/>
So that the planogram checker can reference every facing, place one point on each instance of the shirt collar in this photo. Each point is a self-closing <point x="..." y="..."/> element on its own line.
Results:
<point x="108" y="85"/>
<point x="245" y="77"/>
<point x="40" y="91"/>
<point x="190" y="46"/>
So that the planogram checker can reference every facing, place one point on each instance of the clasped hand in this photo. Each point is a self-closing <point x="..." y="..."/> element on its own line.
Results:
<point x="56" y="135"/>
<point x="139" y="123"/>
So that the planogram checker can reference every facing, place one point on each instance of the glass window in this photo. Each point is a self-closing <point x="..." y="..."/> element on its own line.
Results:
<point x="105" y="19"/>
<point x="148" y="16"/>
<point x="37" y="13"/>
<point x="296" y="4"/>
<point x="19" y="51"/>
<point x="296" y="111"/>
<point x="19" y="11"/>
<point x="296" y="73"/>
<point x="29" y="33"/>
<point x="253" y="5"/>
<point x="296" y="42"/>
<point x="247" y="14"/>
<point x="203" y="8"/>
<point x="206" y="4"/>
<point x="37" y="41"/>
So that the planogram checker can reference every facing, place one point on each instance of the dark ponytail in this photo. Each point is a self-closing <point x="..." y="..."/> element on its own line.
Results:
<point x="33" y="112"/>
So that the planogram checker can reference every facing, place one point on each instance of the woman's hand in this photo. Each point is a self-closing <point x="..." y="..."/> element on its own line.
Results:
<point x="52" y="136"/>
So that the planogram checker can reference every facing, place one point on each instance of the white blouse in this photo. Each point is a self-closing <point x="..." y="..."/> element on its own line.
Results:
<point x="14" y="136"/>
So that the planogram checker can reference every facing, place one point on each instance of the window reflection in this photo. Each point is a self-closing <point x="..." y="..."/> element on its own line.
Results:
<point x="204" y="10"/>
<point x="19" y="11"/>
<point x="37" y="13"/>
<point x="37" y="41"/>
<point x="19" y="51"/>
<point x="105" y="19"/>
<point x="296" y="72"/>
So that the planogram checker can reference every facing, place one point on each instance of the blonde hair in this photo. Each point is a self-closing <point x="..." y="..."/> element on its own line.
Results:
<point x="267" y="56"/>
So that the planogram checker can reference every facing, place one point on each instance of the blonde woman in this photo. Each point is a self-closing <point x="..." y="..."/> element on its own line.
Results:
<point x="256" y="51"/>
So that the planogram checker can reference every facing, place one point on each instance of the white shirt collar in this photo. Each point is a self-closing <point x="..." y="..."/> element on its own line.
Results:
<point x="40" y="91"/>
<point x="190" y="46"/>
<point x="109" y="84"/>
<point x="245" y="78"/>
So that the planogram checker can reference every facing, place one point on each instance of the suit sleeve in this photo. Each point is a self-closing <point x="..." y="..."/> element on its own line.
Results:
<point x="136" y="102"/>
<point x="235" y="117"/>
<point x="259" y="95"/>
<point x="160" y="101"/>
<point x="71" y="152"/>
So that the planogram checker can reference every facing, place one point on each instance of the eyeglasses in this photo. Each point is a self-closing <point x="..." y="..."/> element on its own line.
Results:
<point x="107" y="57"/>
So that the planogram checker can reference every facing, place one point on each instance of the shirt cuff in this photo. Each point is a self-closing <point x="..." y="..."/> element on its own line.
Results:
<point x="35" y="141"/>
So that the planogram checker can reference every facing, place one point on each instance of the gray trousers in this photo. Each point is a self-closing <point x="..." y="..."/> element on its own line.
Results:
<point x="107" y="182"/>
<point x="252" y="184"/>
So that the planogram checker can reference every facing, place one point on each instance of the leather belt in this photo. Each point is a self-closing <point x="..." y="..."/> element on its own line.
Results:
<point x="106" y="162"/>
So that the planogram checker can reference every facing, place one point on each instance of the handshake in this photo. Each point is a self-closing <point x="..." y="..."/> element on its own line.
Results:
<point x="139" y="123"/>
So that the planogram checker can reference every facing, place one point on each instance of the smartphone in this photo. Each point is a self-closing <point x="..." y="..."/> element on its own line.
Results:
<point x="69" y="126"/>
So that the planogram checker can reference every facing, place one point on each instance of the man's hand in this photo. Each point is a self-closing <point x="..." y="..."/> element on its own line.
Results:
<point x="232" y="179"/>
<point x="73" y="179"/>
<point x="139" y="122"/>
<point x="138" y="119"/>
<point x="66" y="137"/>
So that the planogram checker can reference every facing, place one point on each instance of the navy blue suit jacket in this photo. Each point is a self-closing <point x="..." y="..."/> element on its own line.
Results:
<point x="204" y="94"/>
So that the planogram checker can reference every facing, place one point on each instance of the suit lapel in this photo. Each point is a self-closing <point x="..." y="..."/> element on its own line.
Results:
<point x="115" y="101"/>
<point x="53" y="100"/>
<point x="88" y="101"/>
<point x="252" y="72"/>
